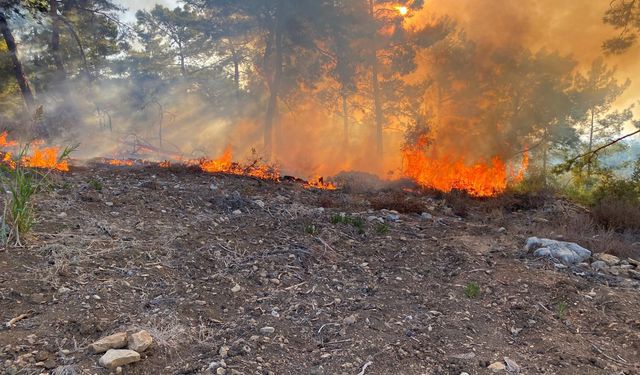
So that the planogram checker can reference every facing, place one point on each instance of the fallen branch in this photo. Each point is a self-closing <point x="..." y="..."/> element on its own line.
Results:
<point x="620" y="360"/>
<point x="364" y="368"/>
<point x="589" y="155"/>
<point x="15" y="320"/>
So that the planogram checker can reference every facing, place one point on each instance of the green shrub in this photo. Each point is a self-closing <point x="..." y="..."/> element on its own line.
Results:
<point x="96" y="184"/>
<point x="22" y="184"/>
<point x="354" y="221"/>
<point x="472" y="290"/>
<point x="382" y="228"/>
<point x="561" y="309"/>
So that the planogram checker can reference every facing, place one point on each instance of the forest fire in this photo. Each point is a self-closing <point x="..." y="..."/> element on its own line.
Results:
<point x="35" y="156"/>
<point x="225" y="164"/>
<point x="121" y="162"/>
<point x="447" y="173"/>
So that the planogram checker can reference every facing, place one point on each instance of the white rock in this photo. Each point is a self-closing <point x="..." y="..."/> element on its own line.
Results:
<point x="63" y="290"/>
<point x="236" y="288"/>
<point x="115" y="341"/>
<point x="140" y="341"/>
<point x="259" y="203"/>
<point x="497" y="366"/>
<point x="237" y="212"/>
<point x="267" y="330"/>
<point x="568" y="253"/>
<point x="118" y="357"/>
<point x="610" y="260"/>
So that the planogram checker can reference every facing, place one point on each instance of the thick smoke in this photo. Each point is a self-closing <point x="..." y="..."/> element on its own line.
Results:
<point x="309" y="139"/>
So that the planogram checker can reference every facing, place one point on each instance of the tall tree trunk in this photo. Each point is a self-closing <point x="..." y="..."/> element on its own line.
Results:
<point x="274" y="86"/>
<point x="345" y="118"/>
<point x="591" y="131"/>
<point x="55" y="40"/>
<point x="545" y="157"/>
<point x="377" y="99"/>
<point x="18" y="71"/>
<point x="235" y="56"/>
<point x="182" y="58"/>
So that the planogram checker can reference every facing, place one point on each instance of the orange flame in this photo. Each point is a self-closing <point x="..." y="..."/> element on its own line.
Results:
<point x="45" y="158"/>
<point x="225" y="164"/>
<point x="121" y="162"/>
<point x="320" y="183"/>
<point x="40" y="157"/>
<point x="480" y="179"/>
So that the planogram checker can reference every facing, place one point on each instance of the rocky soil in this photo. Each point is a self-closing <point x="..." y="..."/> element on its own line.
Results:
<point x="232" y="275"/>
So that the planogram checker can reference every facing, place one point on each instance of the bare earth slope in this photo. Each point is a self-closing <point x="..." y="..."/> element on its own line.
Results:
<point x="163" y="250"/>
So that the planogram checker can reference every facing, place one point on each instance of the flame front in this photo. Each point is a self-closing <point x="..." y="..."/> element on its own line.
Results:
<point x="39" y="157"/>
<point x="225" y="164"/>
<point x="447" y="173"/>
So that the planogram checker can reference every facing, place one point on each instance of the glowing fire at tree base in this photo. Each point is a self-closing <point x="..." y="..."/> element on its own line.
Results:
<point x="480" y="179"/>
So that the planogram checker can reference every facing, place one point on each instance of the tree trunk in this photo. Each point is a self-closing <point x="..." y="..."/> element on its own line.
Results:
<point x="182" y="58"/>
<point x="18" y="71"/>
<point x="274" y="86"/>
<point x="545" y="157"/>
<point x="345" y="118"/>
<point x="235" y="56"/>
<point x="591" y="130"/>
<point x="55" y="40"/>
<point x="377" y="99"/>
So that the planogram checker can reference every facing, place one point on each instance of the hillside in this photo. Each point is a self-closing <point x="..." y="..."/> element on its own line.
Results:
<point x="233" y="275"/>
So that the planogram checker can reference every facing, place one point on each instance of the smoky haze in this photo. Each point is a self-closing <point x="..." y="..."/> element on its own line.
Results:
<point x="319" y="90"/>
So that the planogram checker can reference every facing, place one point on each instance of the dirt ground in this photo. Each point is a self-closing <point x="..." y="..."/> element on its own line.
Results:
<point x="206" y="262"/>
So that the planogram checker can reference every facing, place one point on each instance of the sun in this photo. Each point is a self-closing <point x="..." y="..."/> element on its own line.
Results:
<point x="403" y="11"/>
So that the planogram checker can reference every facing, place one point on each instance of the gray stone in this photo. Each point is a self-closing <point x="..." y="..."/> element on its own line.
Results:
<point x="568" y="253"/>
<point x="267" y="330"/>
<point x="115" y="341"/>
<point x="599" y="265"/>
<point x="393" y="217"/>
<point x="140" y="341"/>
<point x="118" y="357"/>
<point x="609" y="259"/>
<point x="426" y="216"/>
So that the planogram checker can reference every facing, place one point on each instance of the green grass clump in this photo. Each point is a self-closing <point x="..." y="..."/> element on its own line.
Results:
<point x="382" y="228"/>
<point x="96" y="184"/>
<point x="311" y="229"/>
<point x="354" y="221"/>
<point x="472" y="290"/>
<point x="21" y="184"/>
<point x="561" y="309"/>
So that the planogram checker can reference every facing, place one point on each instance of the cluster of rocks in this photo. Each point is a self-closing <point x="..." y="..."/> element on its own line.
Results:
<point x="115" y="355"/>
<point x="570" y="254"/>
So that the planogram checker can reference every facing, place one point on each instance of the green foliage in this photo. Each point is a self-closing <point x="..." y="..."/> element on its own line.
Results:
<point x="561" y="309"/>
<point x="382" y="228"/>
<point x="311" y="229"/>
<point x="95" y="184"/>
<point x="622" y="15"/>
<point x="472" y="290"/>
<point x="354" y="221"/>
<point x="22" y="184"/>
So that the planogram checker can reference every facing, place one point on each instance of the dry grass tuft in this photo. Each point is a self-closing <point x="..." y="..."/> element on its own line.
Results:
<point x="399" y="201"/>
<point x="618" y="215"/>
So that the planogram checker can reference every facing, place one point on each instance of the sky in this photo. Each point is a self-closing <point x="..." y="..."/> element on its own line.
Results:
<point x="135" y="5"/>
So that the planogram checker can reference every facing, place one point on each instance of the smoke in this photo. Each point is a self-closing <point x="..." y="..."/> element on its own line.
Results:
<point x="572" y="28"/>
<point x="495" y="42"/>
